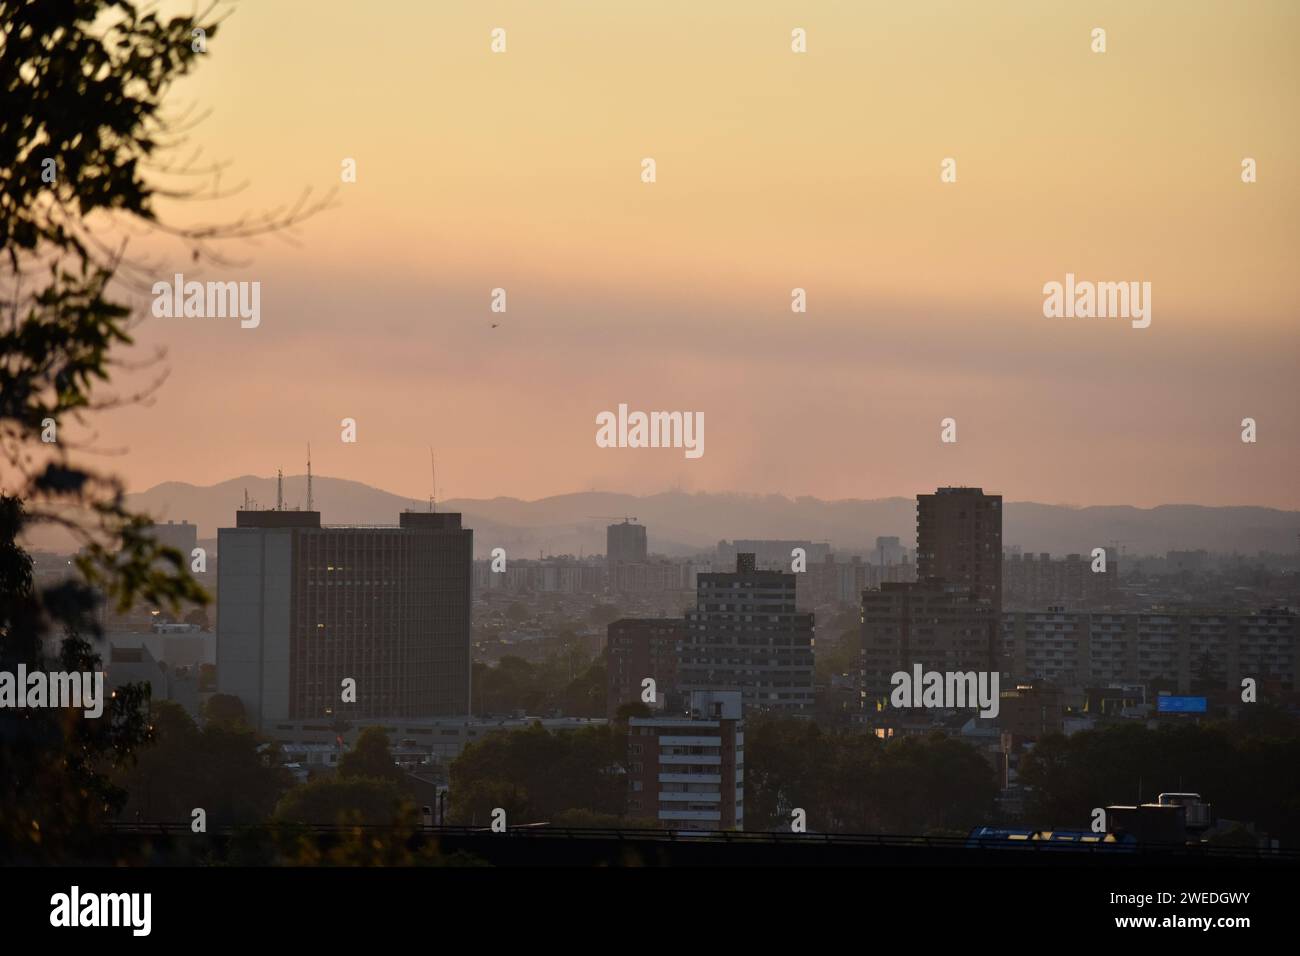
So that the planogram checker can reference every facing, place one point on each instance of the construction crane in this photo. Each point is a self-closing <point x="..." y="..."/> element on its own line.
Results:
<point x="625" y="518"/>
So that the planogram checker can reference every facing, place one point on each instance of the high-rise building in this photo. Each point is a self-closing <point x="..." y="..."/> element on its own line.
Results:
<point x="948" y="620"/>
<point x="302" y="608"/>
<point x="625" y="543"/>
<point x="745" y="634"/>
<point x="639" y="648"/>
<point x="959" y="539"/>
<point x="688" y="772"/>
<point x="938" y="625"/>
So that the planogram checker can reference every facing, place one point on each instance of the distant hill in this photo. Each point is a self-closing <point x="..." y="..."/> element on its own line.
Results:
<point x="679" y="523"/>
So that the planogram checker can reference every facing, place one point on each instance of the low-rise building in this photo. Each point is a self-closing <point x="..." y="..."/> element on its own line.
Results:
<point x="688" y="771"/>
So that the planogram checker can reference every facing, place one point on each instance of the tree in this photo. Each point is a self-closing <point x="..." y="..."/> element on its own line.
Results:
<point x="782" y="755"/>
<point x="855" y="783"/>
<point x="55" y="790"/>
<point x="371" y="757"/>
<point x="222" y="768"/>
<point x="1223" y="761"/>
<point x="539" y="774"/>
<point x="343" y="800"/>
<point x="224" y="708"/>
<point x="584" y="696"/>
<point x="81" y="88"/>
<point x="633" y="708"/>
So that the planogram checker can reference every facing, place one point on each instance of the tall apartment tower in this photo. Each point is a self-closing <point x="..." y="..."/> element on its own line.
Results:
<point x="949" y="619"/>
<point x="625" y="543"/>
<point x="959" y="539"/>
<point x="745" y="634"/>
<point x="302" y="607"/>
<point x="688" y="772"/>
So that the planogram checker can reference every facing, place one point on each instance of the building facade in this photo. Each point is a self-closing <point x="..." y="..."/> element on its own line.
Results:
<point x="746" y="634"/>
<point x="688" y="772"/>
<point x="1036" y="581"/>
<point x="938" y="625"/>
<point x="959" y="539"/>
<point x="625" y="543"/>
<point x="1175" y="649"/>
<point x="639" y="648"/>
<point x="302" y="608"/>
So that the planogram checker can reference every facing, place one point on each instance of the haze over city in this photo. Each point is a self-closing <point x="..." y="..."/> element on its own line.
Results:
<point x="818" y="172"/>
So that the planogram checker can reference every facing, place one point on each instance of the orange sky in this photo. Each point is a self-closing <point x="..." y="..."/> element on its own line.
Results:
<point x="775" y="170"/>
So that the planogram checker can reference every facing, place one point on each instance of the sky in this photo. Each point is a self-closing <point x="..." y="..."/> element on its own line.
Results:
<point x="775" y="170"/>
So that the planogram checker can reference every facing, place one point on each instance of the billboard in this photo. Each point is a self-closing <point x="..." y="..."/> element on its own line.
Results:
<point x="1180" y="705"/>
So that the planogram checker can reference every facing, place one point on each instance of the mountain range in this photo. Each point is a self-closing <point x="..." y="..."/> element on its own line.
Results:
<point x="680" y="523"/>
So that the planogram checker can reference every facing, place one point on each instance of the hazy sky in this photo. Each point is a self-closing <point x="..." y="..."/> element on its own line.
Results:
<point x="775" y="170"/>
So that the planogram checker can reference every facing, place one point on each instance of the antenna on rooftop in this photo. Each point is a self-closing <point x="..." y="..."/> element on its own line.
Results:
<point x="245" y="499"/>
<point x="433" y="486"/>
<point x="309" y="507"/>
<point x="279" y="489"/>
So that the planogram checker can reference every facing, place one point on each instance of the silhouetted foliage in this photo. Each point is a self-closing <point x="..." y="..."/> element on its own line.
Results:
<point x="566" y="683"/>
<point x="535" y="774"/>
<point x="224" y="709"/>
<point x="857" y="783"/>
<point x="1222" y="761"/>
<point x="221" y="768"/>
<point x="371" y="757"/>
<point x="341" y="800"/>
<point x="81" y="90"/>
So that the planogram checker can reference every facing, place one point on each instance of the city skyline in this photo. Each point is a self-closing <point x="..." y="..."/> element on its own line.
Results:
<point x="701" y="438"/>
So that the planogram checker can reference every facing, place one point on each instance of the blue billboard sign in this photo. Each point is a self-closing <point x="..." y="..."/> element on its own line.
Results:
<point x="1180" y="705"/>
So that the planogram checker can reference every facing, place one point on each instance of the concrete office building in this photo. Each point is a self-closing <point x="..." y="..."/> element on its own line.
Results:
<point x="688" y="772"/>
<point x="745" y="634"/>
<point x="303" y="607"/>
